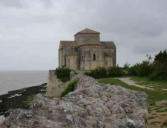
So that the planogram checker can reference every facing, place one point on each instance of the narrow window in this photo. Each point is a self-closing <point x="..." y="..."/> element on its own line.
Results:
<point x="94" y="57"/>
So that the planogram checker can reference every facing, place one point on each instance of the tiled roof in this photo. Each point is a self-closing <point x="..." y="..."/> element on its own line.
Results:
<point x="87" y="31"/>
<point x="68" y="43"/>
<point x="90" y="43"/>
<point x="108" y="44"/>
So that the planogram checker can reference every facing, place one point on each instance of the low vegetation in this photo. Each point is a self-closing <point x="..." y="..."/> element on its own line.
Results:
<point x="154" y="70"/>
<point x="63" y="74"/>
<point x="27" y="102"/>
<point x="70" y="87"/>
<point x="102" y="72"/>
<point x="157" y="102"/>
<point x="165" y="124"/>
<point x="141" y="69"/>
<point x="154" y="95"/>
<point x="145" y="81"/>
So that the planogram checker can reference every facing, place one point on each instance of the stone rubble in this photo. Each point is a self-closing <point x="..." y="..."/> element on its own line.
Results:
<point x="91" y="105"/>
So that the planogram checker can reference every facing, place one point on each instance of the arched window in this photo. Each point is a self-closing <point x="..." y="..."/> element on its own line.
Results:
<point x="94" y="57"/>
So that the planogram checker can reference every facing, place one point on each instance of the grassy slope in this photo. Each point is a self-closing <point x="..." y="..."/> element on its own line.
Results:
<point x="146" y="81"/>
<point x="157" y="111"/>
<point x="153" y="95"/>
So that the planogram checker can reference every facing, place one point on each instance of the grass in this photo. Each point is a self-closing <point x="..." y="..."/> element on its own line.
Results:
<point x="154" y="95"/>
<point x="29" y="100"/>
<point x="152" y="117"/>
<point x="165" y="124"/>
<point x="164" y="110"/>
<point x="165" y="104"/>
<point x="147" y="81"/>
<point x="155" y="122"/>
<point x="70" y="87"/>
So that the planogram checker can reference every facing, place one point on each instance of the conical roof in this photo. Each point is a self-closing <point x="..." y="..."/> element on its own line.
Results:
<point x="87" y="31"/>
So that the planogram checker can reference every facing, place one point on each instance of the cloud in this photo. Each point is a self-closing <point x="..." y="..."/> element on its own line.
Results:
<point x="9" y="3"/>
<point x="31" y="29"/>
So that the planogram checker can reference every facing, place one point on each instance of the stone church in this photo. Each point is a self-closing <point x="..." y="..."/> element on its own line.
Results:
<point x="87" y="52"/>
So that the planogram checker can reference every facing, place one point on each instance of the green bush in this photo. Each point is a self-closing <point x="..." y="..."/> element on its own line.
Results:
<point x="70" y="88"/>
<point x="160" y="67"/>
<point x="115" y="71"/>
<point x="63" y="73"/>
<point x="99" y="72"/>
<point x="141" y="69"/>
<point x="156" y="70"/>
<point x="161" y="57"/>
<point x="159" y="72"/>
<point x="102" y="72"/>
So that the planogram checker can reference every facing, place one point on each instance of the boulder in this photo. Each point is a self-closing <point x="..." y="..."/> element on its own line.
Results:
<point x="91" y="105"/>
<point x="54" y="86"/>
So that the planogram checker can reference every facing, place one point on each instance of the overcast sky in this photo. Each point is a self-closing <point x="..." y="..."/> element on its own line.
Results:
<point x="30" y="30"/>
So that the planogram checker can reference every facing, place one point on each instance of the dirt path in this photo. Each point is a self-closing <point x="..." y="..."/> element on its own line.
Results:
<point x="157" y="113"/>
<point x="131" y="82"/>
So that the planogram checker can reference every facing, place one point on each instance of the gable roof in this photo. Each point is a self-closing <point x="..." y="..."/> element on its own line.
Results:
<point x="108" y="44"/>
<point x="87" y="31"/>
<point x="68" y="44"/>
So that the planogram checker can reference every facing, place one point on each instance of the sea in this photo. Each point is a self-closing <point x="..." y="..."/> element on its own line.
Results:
<point x="13" y="80"/>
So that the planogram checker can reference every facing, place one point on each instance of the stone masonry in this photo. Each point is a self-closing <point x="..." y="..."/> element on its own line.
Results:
<point x="87" y="52"/>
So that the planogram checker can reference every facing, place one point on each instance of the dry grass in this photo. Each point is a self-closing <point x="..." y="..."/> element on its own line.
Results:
<point x="157" y="100"/>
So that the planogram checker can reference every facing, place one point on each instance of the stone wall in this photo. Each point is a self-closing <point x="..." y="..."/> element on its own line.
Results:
<point x="68" y="57"/>
<point x="54" y="86"/>
<point x="72" y="61"/>
<point x="91" y="57"/>
<point x="87" y="52"/>
<point x="87" y="57"/>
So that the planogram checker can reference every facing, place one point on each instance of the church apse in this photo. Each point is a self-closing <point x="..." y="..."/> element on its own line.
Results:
<point x="87" y="52"/>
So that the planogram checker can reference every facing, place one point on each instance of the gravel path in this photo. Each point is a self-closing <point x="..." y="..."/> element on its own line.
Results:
<point x="131" y="82"/>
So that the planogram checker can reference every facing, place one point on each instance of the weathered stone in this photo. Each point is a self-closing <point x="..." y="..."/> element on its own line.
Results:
<point x="91" y="105"/>
<point x="87" y="52"/>
<point x="55" y="86"/>
<point x="2" y="119"/>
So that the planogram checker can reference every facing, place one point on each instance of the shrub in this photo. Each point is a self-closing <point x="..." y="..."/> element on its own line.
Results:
<point x="141" y="69"/>
<point x="156" y="70"/>
<point x="70" y="88"/>
<point x="159" y="72"/>
<point x="159" y="67"/>
<point x="115" y="71"/>
<point x="133" y="70"/>
<point x="126" y="66"/>
<point x="161" y="57"/>
<point x="164" y="124"/>
<point x="102" y="72"/>
<point x="99" y="72"/>
<point x="63" y="74"/>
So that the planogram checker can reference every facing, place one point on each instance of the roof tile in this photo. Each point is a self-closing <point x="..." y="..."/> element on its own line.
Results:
<point x="87" y="31"/>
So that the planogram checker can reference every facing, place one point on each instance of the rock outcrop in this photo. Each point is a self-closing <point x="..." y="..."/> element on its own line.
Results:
<point x="91" y="105"/>
<point x="55" y="86"/>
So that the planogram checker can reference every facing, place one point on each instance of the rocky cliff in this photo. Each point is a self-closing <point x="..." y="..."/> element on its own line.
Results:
<point x="91" y="105"/>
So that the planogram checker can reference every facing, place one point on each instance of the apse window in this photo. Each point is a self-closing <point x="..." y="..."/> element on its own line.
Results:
<point x="94" y="57"/>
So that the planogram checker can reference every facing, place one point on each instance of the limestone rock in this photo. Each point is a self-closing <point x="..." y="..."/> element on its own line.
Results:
<point x="91" y="105"/>
<point x="2" y="119"/>
<point x="54" y="86"/>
